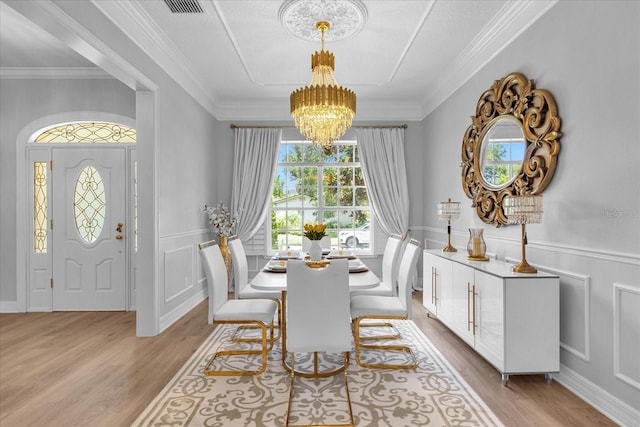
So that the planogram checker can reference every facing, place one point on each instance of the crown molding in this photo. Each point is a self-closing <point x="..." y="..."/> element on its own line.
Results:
<point x="509" y="23"/>
<point x="274" y="111"/>
<point x="134" y="21"/>
<point x="55" y="20"/>
<point x="513" y="19"/>
<point x="54" y="73"/>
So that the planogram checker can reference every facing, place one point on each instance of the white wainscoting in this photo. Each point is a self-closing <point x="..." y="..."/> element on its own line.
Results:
<point x="599" y="316"/>
<point x="605" y="402"/>
<point x="626" y="334"/>
<point x="178" y="272"/>
<point x="182" y="279"/>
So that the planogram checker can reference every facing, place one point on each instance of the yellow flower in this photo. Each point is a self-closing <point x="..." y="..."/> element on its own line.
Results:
<point x="315" y="232"/>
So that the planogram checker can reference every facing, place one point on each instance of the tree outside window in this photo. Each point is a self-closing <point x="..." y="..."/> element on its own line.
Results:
<point x="313" y="187"/>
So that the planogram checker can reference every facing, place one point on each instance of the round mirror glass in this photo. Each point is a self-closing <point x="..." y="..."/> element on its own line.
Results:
<point x="502" y="152"/>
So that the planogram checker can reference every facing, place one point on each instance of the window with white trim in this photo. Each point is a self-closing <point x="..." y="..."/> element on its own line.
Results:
<point x="313" y="187"/>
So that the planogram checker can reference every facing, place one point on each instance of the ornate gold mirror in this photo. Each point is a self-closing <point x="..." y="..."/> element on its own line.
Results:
<point x="511" y="146"/>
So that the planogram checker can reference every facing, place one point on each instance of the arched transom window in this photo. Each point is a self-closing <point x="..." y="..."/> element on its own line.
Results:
<point x="88" y="132"/>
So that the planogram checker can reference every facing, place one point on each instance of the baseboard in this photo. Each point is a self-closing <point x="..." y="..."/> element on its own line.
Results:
<point x="600" y="399"/>
<point x="175" y="314"/>
<point x="10" y="307"/>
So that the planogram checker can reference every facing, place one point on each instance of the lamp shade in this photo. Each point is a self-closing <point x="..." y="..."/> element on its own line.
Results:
<point x="525" y="209"/>
<point x="448" y="210"/>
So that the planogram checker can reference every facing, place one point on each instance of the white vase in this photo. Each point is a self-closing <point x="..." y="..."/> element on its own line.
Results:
<point x="315" y="251"/>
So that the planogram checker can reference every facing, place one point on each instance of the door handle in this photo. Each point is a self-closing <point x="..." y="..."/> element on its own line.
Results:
<point x="119" y="227"/>
<point x="118" y="236"/>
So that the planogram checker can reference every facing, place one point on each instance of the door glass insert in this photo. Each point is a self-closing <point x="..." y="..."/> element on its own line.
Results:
<point x="40" y="207"/>
<point x="89" y="204"/>
<point x="88" y="132"/>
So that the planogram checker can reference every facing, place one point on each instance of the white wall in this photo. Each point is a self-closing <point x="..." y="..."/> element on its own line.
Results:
<point x="588" y="55"/>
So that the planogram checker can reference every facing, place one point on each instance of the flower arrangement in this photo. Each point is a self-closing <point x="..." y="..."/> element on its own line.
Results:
<point x="220" y="218"/>
<point x="315" y="232"/>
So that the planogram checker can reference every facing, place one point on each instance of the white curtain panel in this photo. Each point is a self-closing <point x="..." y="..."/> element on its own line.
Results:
<point x="254" y="168"/>
<point x="385" y="174"/>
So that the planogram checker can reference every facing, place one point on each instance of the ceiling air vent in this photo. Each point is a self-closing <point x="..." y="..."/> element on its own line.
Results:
<point x="184" y="6"/>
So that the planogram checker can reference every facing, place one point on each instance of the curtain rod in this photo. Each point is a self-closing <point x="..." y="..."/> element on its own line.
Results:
<point x="234" y="126"/>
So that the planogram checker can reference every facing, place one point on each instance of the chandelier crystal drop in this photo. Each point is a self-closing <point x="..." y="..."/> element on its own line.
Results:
<point x="324" y="110"/>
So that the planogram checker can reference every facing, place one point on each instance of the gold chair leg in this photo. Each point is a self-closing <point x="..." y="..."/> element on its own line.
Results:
<point x="400" y="348"/>
<point x="393" y="336"/>
<point x="266" y="346"/>
<point x="346" y="385"/>
<point x="236" y="338"/>
<point x="315" y="373"/>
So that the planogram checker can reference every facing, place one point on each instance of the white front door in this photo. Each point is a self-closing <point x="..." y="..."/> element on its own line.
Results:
<point x="89" y="230"/>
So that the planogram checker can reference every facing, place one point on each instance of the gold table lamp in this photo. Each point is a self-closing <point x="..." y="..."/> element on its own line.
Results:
<point x="525" y="209"/>
<point x="449" y="210"/>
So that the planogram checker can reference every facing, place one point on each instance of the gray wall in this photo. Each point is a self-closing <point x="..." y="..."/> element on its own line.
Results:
<point x="176" y="165"/>
<point x="588" y="55"/>
<point x="22" y="102"/>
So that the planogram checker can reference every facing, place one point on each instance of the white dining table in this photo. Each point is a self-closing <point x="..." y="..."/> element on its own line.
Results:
<point x="277" y="280"/>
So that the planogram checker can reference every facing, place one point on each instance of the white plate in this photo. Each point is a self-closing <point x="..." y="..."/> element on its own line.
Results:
<point x="275" y="268"/>
<point x="287" y="255"/>
<point x="355" y="263"/>
<point x="339" y="254"/>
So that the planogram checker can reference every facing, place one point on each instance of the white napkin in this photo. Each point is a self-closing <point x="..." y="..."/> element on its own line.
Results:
<point x="339" y="253"/>
<point x="288" y="254"/>
<point x="355" y="265"/>
<point x="277" y="265"/>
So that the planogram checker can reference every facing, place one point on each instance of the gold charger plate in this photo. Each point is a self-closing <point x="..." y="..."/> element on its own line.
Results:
<point x="317" y="264"/>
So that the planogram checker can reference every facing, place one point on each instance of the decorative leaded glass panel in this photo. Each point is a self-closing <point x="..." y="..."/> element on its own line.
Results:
<point x="89" y="204"/>
<point x="88" y="132"/>
<point x="40" y="207"/>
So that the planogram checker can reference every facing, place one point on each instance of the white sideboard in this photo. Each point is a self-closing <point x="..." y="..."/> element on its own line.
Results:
<point x="510" y="319"/>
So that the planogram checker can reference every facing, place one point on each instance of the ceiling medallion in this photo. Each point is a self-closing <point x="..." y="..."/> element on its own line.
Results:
<point x="346" y="17"/>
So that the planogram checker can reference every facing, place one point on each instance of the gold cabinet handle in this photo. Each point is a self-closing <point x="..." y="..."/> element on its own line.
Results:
<point x="473" y="296"/>
<point x="433" y="285"/>
<point x="468" y="309"/>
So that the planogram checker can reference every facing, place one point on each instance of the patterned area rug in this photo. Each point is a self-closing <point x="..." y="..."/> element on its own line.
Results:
<point x="432" y="394"/>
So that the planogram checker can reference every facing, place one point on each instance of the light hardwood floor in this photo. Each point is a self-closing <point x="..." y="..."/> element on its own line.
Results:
<point x="89" y="369"/>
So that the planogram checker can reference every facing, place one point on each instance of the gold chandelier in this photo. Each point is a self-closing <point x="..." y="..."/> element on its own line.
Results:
<point x="324" y="110"/>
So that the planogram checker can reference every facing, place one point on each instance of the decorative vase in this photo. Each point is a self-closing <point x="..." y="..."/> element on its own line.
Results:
<point x="315" y="251"/>
<point x="476" y="247"/>
<point x="226" y="256"/>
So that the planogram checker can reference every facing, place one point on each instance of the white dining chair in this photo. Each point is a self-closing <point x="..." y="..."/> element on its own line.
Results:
<point x="390" y="263"/>
<point x="366" y="307"/>
<point x="318" y="320"/>
<point x="255" y="312"/>
<point x="388" y="286"/>
<point x="244" y="289"/>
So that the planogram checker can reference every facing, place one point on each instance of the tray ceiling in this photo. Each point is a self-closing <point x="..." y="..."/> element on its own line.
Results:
<point x="238" y="60"/>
